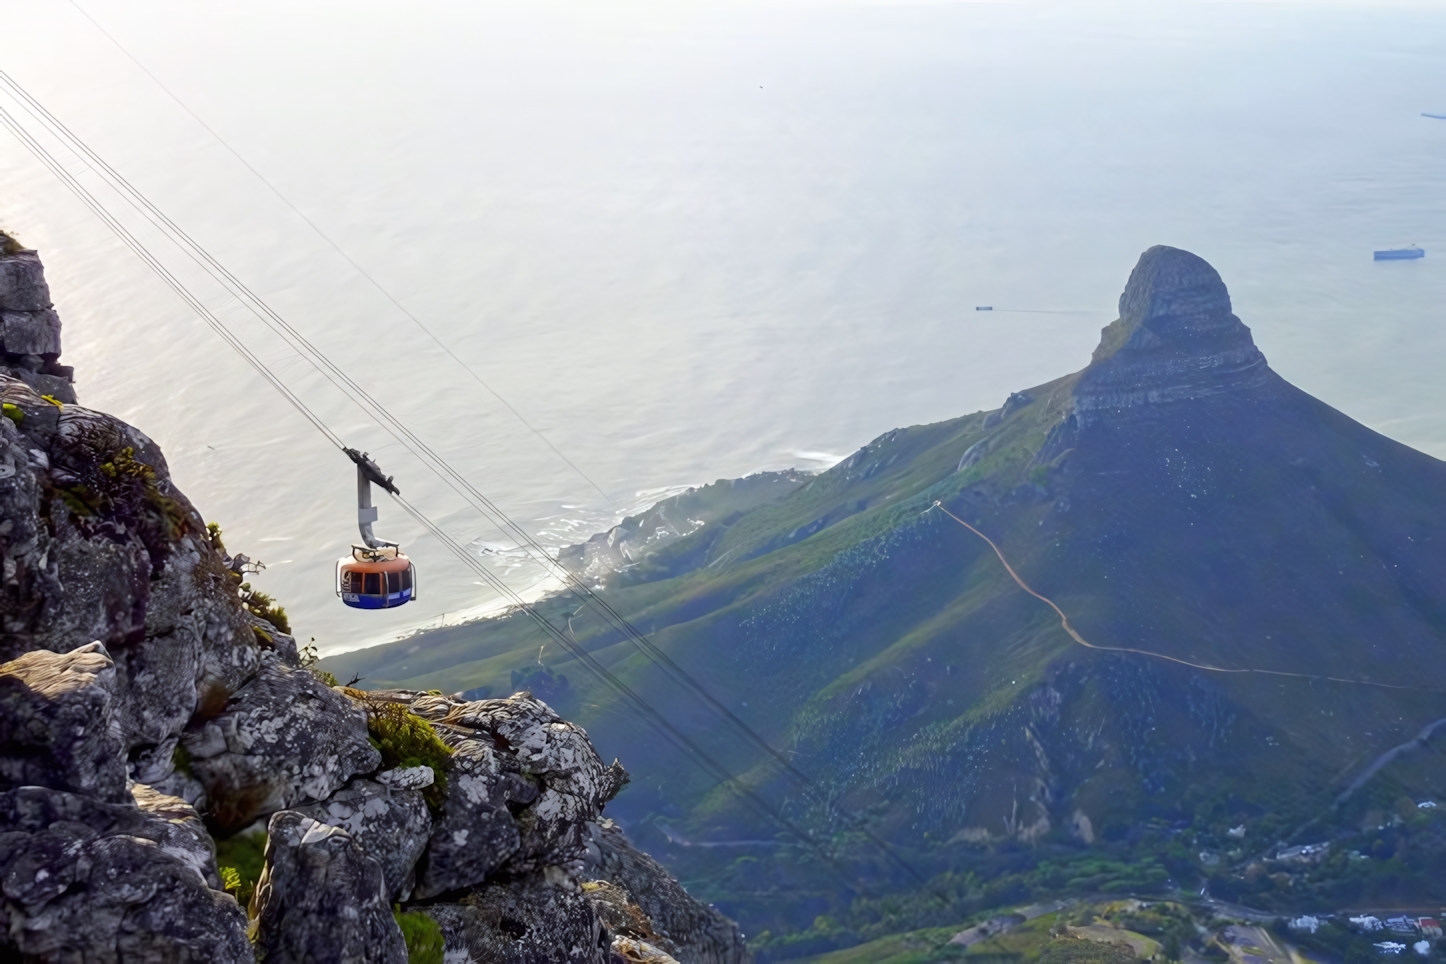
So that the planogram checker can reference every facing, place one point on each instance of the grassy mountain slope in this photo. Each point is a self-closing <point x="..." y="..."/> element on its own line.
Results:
<point x="1176" y="497"/>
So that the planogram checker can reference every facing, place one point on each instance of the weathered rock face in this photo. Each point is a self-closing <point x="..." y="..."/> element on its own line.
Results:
<point x="96" y="544"/>
<point x="93" y="881"/>
<point x="284" y="738"/>
<point x="29" y="325"/>
<point x="391" y="825"/>
<point x="322" y="899"/>
<point x="524" y="782"/>
<point x="530" y="920"/>
<point x="57" y="725"/>
<point x="143" y="706"/>
<point x="1175" y="339"/>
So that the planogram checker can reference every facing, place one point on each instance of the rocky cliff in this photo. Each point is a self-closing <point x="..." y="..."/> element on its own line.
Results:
<point x="154" y="712"/>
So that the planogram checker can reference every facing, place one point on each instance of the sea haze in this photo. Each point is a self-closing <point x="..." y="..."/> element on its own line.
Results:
<point x="695" y="241"/>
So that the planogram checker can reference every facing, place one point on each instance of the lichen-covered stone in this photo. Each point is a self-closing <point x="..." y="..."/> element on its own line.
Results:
<point x="475" y="832"/>
<point x="106" y="882"/>
<point x="691" y="931"/>
<point x="556" y="757"/>
<point x="523" y="783"/>
<point x="321" y="900"/>
<point x="179" y="831"/>
<point x="58" y="726"/>
<point x="537" y="919"/>
<point x="390" y="824"/>
<point x="284" y="738"/>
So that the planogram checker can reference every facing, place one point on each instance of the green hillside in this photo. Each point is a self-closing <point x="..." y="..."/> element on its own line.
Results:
<point x="1175" y="497"/>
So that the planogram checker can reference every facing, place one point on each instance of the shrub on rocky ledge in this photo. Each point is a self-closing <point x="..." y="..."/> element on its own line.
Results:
<point x="406" y="740"/>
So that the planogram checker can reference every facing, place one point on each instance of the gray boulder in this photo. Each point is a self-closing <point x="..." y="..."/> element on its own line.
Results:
<point x="179" y="831"/>
<point x="390" y="825"/>
<point x="552" y="755"/>
<point x="57" y="725"/>
<point x="321" y="900"/>
<point x="522" y="785"/>
<point x="284" y="738"/>
<point x="537" y="919"/>
<point x="475" y="833"/>
<point x="106" y="882"/>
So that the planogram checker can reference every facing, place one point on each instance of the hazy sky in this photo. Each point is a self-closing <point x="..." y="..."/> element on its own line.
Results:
<point x="690" y="241"/>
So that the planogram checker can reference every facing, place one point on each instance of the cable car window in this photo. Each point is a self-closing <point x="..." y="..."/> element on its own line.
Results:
<point x="407" y="579"/>
<point x="393" y="583"/>
<point x="373" y="584"/>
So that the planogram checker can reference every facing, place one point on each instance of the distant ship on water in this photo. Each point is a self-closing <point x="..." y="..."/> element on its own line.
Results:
<point x="1400" y="254"/>
<point x="1434" y="116"/>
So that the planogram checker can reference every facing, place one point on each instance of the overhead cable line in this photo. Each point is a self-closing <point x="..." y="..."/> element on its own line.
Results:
<point x="215" y="323"/>
<point x="711" y="766"/>
<point x="345" y="256"/>
<point x="399" y="431"/>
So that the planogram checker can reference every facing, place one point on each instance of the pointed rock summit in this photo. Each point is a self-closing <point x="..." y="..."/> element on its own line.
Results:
<point x="1176" y="338"/>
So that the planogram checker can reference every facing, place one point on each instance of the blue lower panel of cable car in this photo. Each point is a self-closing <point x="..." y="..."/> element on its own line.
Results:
<point x="382" y="601"/>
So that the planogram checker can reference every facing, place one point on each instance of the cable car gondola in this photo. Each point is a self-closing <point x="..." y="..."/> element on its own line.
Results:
<point x="377" y="574"/>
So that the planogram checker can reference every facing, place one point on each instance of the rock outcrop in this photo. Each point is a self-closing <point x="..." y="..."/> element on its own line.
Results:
<point x="29" y="325"/>
<point x="322" y="898"/>
<point x="93" y="881"/>
<point x="1176" y="339"/>
<point x="284" y="738"/>
<point x="390" y="824"/>
<point x="639" y="899"/>
<point x="150" y="706"/>
<point x="57" y="724"/>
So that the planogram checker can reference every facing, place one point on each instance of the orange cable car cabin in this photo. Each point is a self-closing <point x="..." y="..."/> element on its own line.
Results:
<point x="377" y="574"/>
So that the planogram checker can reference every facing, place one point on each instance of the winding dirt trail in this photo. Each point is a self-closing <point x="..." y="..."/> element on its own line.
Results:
<point x="1074" y="635"/>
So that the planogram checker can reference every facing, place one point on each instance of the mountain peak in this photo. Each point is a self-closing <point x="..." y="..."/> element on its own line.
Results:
<point x="1176" y="338"/>
<point x="1175" y="292"/>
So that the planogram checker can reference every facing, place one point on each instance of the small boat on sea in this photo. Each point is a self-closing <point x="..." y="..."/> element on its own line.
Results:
<point x="1434" y="116"/>
<point x="983" y="307"/>
<point x="1400" y="254"/>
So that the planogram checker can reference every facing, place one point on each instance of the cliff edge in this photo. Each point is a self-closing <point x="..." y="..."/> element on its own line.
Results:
<point x="166" y="750"/>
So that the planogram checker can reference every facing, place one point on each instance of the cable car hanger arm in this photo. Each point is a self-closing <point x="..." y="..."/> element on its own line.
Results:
<point x="368" y="472"/>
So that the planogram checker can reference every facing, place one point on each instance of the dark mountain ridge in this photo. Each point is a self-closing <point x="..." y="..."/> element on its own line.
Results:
<point x="1176" y="497"/>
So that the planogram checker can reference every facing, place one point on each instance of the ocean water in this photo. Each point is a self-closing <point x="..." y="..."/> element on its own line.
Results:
<point x="688" y="241"/>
